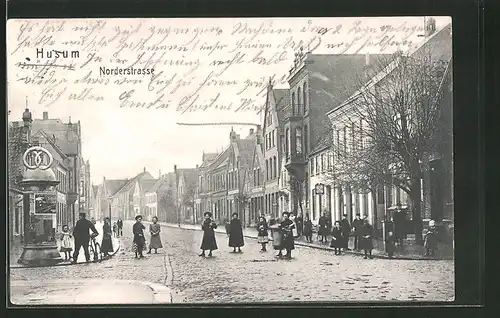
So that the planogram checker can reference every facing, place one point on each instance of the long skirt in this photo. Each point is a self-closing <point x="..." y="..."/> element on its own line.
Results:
<point x="236" y="239"/>
<point x="278" y="240"/>
<point x="107" y="244"/>
<point x="139" y="244"/>
<point x="288" y="242"/>
<point x="262" y="239"/>
<point x="155" y="242"/>
<point x="366" y="244"/>
<point x="208" y="243"/>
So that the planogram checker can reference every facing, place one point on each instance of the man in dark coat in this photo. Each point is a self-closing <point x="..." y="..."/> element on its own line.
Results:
<point x="235" y="233"/>
<point x="346" y="231"/>
<point x="299" y="220"/>
<point x="82" y="236"/>
<point x="324" y="227"/>
<point x="286" y="226"/>
<point x="357" y="225"/>
<point x="119" y="223"/>
<point x="208" y="243"/>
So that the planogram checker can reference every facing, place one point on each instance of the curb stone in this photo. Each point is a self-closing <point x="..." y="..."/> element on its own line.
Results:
<point x="327" y="248"/>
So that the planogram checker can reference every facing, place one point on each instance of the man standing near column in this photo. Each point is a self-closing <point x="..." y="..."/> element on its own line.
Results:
<point x="346" y="231"/>
<point x="82" y="237"/>
<point x="357" y="225"/>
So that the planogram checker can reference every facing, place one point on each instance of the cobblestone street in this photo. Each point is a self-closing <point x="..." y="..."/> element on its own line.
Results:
<point x="251" y="276"/>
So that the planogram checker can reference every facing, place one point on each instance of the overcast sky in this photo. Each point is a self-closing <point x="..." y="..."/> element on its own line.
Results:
<point x="120" y="142"/>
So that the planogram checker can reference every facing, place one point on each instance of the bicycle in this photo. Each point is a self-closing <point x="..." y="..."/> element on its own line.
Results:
<point x="95" y="249"/>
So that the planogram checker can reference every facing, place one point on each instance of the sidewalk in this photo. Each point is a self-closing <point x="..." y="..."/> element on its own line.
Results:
<point x="15" y="252"/>
<point x="411" y="251"/>
<point x="87" y="292"/>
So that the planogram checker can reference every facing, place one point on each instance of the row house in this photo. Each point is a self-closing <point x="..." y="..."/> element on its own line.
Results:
<point x="103" y="201"/>
<point x="122" y="202"/>
<point x="160" y="199"/>
<point x="437" y="191"/>
<point x="186" y="188"/>
<point x="141" y="187"/>
<point x="255" y="181"/>
<point x="318" y="83"/>
<point x="275" y="196"/>
<point x="202" y="194"/>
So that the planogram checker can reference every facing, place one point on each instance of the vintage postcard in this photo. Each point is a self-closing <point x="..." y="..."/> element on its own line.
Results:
<point x="235" y="160"/>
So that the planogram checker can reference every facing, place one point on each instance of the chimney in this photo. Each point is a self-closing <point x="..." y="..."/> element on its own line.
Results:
<point x="144" y="169"/>
<point x="159" y="173"/>
<point x="197" y="166"/>
<point x="251" y="131"/>
<point x="45" y="115"/>
<point x="175" y="168"/>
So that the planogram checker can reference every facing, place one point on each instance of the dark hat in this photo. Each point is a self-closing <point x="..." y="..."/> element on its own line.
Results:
<point x="155" y="217"/>
<point x="208" y="213"/>
<point x="358" y="214"/>
<point x="83" y="214"/>
<point x="234" y="214"/>
<point x="138" y="217"/>
<point x="286" y="213"/>
<point x="344" y="215"/>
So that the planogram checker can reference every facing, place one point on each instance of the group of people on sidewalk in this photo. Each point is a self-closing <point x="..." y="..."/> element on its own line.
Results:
<point x="139" y="241"/>
<point x="81" y="238"/>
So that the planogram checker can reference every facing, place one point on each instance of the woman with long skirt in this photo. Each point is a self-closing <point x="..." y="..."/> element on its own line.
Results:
<point x="139" y="240"/>
<point x="155" y="241"/>
<point x="107" y="243"/>
<point x="208" y="243"/>
<point x="235" y="233"/>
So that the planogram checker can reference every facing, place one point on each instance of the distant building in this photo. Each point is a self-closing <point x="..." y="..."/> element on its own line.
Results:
<point x="122" y="201"/>
<point x="202" y="195"/>
<point x="104" y="197"/>
<point x="142" y="185"/>
<point x="186" y="188"/>
<point x="160" y="199"/>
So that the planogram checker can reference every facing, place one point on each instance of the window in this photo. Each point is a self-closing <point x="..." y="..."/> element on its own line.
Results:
<point x="287" y="143"/>
<point x="306" y="144"/>
<point x="274" y="138"/>
<point x="269" y="118"/>
<point x="317" y="165"/>
<point x="299" y="101"/>
<point x="274" y="168"/>
<point x="305" y="97"/>
<point x="312" y="166"/>
<point x="267" y="170"/>
<point x="313" y="205"/>
<point x="323" y="162"/>
<point x="293" y="104"/>
<point x="298" y="140"/>
<point x="345" y="138"/>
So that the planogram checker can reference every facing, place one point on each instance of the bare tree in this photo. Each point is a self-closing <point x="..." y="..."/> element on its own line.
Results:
<point x="387" y="132"/>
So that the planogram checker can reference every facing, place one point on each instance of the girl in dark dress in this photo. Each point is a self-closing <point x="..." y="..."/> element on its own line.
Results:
<point x="390" y="244"/>
<point x="235" y="233"/>
<point x="337" y="238"/>
<point x="208" y="243"/>
<point x="139" y="239"/>
<point x="107" y="243"/>
<point x="286" y="226"/>
<point x="263" y="234"/>
<point x="366" y="239"/>
<point x="308" y="229"/>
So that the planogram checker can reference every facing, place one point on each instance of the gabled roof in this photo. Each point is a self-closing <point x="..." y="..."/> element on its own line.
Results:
<point x="438" y="46"/>
<point x="51" y="142"/>
<point x="190" y="175"/>
<point x="64" y="135"/>
<point x="113" y="186"/>
<point x="281" y="97"/>
<point x="325" y="142"/>
<point x="333" y="78"/>
<point x="131" y="182"/>
<point x="163" y="182"/>
<point x="146" y="184"/>
<point x="246" y="151"/>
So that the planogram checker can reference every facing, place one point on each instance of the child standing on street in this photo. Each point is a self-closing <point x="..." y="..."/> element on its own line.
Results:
<point x="337" y="238"/>
<point x="66" y="242"/>
<point x="115" y="230"/>
<point x="263" y="234"/>
<point x="430" y="241"/>
<point x="390" y="244"/>
<point x="308" y="229"/>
